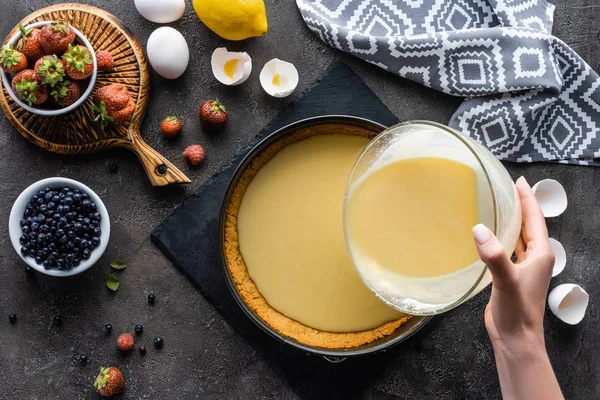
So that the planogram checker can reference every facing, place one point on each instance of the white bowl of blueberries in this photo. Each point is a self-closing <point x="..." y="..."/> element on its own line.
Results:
<point x="59" y="227"/>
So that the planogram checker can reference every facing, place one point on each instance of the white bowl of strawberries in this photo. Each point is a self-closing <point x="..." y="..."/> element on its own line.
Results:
<point x="49" y="68"/>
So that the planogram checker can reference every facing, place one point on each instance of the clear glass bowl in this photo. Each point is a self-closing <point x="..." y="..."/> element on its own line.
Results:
<point x="499" y="205"/>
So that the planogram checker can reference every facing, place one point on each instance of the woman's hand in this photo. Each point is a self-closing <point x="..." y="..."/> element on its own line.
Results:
<point x="516" y="308"/>
<point x="515" y="313"/>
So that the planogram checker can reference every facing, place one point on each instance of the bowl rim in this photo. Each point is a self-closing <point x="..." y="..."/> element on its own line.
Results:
<point x="332" y="355"/>
<point x="60" y="111"/>
<point x="16" y="214"/>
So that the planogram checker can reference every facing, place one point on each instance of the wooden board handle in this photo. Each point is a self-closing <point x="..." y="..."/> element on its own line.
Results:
<point x="159" y="170"/>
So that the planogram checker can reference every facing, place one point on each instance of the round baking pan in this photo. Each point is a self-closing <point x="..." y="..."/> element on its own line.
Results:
<point x="333" y="355"/>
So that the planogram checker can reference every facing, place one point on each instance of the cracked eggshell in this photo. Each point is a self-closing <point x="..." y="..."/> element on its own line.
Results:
<point x="279" y="78"/>
<point x="227" y="70"/>
<point x="551" y="197"/>
<point x="168" y="52"/>
<point x="161" y="11"/>
<point x="560" y="257"/>
<point x="568" y="302"/>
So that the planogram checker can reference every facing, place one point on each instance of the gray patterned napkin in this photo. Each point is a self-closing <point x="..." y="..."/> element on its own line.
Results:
<point x="529" y="97"/>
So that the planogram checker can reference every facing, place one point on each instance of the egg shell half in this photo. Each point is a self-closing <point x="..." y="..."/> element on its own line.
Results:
<point x="168" y="52"/>
<point x="551" y="197"/>
<point x="242" y="70"/>
<point x="560" y="257"/>
<point x="288" y="77"/>
<point x="568" y="302"/>
<point x="161" y="11"/>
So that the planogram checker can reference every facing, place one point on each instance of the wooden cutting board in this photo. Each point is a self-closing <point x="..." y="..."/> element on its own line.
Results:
<point x="76" y="132"/>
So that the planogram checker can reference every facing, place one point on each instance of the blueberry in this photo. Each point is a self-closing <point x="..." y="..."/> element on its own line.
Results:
<point x="26" y="229"/>
<point x="70" y="234"/>
<point x="77" y="241"/>
<point x="35" y="226"/>
<point x="59" y="209"/>
<point x="23" y="222"/>
<point x="76" y="250"/>
<point x="158" y="342"/>
<point x="63" y="220"/>
<point x="107" y="328"/>
<point x="139" y="329"/>
<point x="40" y="200"/>
<point x="76" y="196"/>
<point x="43" y="208"/>
<point x="66" y="209"/>
<point x="41" y="237"/>
<point x="86" y="236"/>
<point x="51" y="205"/>
<point x="151" y="298"/>
<point x="29" y="271"/>
<point x="70" y="216"/>
<point x="85" y="196"/>
<point x="63" y="240"/>
<point x="56" y="216"/>
<point x="12" y="318"/>
<point x="86" y="203"/>
<point x="55" y="198"/>
<point x="52" y="246"/>
<point x="48" y="196"/>
<point x="39" y="260"/>
<point x="57" y="319"/>
<point x="68" y="201"/>
<point x="24" y="239"/>
<point x="60" y="232"/>
<point x="46" y="265"/>
<point x="62" y="195"/>
<point x="86" y="221"/>
<point x="96" y="216"/>
<point x="96" y="240"/>
<point x="77" y="226"/>
<point x="70" y="244"/>
<point x="82" y="359"/>
<point x="44" y="228"/>
<point x="97" y="231"/>
<point x="32" y="252"/>
<point x="41" y="217"/>
<point x="27" y="212"/>
<point x="76" y="262"/>
<point x="86" y="254"/>
<point x="84" y="244"/>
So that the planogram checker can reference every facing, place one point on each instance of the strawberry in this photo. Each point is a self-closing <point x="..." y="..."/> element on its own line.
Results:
<point x="105" y="61"/>
<point x="114" y="104"/>
<point x="109" y="382"/>
<point x="11" y="60"/>
<point x="125" y="342"/>
<point x="194" y="154"/>
<point x="213" y="114"/>
<point x="50" y="69"/>
<point x="28" y="87"/>
<point x="30" y="43"/>
<point x="170" y="127"/>
<point x="66" y="93"/>
<point x="56" y="37"/>
<point x="79" y="64"/>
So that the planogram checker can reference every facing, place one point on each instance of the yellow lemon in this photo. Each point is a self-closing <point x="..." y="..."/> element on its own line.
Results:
<point x="233" y="19"/>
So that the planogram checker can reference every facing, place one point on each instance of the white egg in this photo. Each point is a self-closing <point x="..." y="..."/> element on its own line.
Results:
<point x="279" y="78"/>
<point x="161" y="11"/>
<point x="168" y="52"/>
<point x="568" y="302"/>
<point x="551" y="197"/>
<point x="230" y="68"/>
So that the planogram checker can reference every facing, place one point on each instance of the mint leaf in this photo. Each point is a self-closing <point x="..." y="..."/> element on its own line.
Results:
<point x="118" y="265"/>
<point x="111" y="281"/>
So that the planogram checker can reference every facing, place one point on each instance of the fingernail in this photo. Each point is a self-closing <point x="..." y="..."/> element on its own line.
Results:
<point x="482" y="233"/>
<point x="523" y="178"/>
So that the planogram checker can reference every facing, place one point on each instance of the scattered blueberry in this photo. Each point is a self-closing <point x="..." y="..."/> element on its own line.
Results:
<point x="139" y="329"/>
<point x="142" y="349"/>
<point x="151" y="298"/>
<point x="57" y="319"/>
<point x="108" y="328"/>
<point x="82" y="359"/>
<point x="12" y="318"/>
<point x="55" y="224"/>
<point x="158" y="342"/>
<point x="29" y="271"/>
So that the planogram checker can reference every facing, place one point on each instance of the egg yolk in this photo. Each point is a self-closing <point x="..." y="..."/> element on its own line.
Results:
<point x="229" y="67"/>
<point x="276" y="80"/>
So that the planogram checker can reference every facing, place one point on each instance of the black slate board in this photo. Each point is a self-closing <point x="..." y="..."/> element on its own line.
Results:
<point x="189" y="236"/>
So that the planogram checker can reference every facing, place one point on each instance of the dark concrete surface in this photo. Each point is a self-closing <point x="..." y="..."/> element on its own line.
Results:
<point x="203" y="357"/>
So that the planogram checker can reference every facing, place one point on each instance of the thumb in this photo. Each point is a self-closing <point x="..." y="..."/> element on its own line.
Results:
<point x="493" y="255"/>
